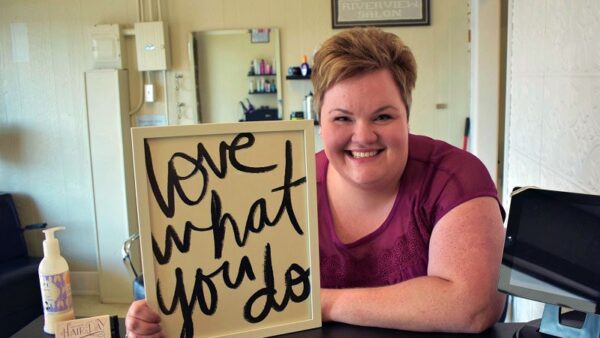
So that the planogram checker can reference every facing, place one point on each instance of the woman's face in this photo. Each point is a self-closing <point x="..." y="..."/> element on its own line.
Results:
<point x="364" y="129"/>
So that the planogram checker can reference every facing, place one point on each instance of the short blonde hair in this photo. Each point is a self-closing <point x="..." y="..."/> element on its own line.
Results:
<point x="361" y="50"/>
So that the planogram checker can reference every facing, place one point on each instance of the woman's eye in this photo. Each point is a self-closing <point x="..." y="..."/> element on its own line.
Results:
<point x="383" y="117"/>
<point x="341" y="118"/>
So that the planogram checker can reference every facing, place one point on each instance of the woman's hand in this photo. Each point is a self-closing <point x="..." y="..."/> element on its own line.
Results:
<point x="142" y="321"/>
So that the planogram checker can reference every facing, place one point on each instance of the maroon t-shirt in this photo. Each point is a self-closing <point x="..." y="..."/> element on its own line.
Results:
<point x="437" y="178"/>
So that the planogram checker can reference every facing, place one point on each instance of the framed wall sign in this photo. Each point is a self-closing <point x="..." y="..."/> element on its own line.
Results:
<point x="228" y="227"/>
<point x="350" y="13"/>
<point x="260" y="35"/>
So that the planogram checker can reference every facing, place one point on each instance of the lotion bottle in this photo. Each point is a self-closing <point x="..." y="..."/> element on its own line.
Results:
<point x="55" y="284"/>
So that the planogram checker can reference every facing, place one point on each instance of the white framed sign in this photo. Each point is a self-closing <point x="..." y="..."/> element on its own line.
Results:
<point x="228" y="227"/>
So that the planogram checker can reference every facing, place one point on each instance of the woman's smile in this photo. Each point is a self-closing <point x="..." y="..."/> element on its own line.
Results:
<point x="363" y="154"/>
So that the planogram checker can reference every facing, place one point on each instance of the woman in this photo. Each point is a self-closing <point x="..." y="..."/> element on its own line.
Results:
<point x="410" y="228"/>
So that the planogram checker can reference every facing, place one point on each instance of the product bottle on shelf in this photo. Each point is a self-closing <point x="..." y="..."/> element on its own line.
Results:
<point x="304" y="67"/>
<point x="251" y="71"/>
<point x="268" y="68"/>
<point x="308" y="112"/>
<point x="256" y="67"/>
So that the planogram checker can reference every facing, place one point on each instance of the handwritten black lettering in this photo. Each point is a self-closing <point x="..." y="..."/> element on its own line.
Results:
<point x="174" y="179"/>
<point x="171" y="237"/>
<point x="220" y="219"/>
<point x="185" y="171"/>
<point x="260" y="206"/>
<point x="269" y="291"/>
<point x="206" y="302"/>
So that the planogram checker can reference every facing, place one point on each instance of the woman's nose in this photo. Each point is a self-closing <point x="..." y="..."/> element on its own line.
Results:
<point x="364" y="133"/>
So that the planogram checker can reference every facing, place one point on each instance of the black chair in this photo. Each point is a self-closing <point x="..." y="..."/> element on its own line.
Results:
<point x="20" y="293"/>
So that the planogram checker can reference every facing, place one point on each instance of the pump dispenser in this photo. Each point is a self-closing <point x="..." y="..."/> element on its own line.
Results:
<point x="55" y="283"/>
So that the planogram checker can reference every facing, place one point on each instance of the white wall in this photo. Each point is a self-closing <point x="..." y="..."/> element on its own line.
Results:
<point x="485" y="82"/>
<point x="553" y="106"/>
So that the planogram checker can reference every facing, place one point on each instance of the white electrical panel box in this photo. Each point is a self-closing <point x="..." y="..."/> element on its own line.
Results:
<point x="108" y="47"/>
<point x="152" y="45"/>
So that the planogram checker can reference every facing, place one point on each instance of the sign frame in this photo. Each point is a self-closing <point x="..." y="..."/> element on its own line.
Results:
<point x="170" y="137"/>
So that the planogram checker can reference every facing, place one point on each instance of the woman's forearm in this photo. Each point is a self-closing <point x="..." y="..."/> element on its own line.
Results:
<point x="420" y="304"/>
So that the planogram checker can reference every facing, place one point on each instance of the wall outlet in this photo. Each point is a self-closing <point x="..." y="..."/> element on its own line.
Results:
<point x="149" y="92"/>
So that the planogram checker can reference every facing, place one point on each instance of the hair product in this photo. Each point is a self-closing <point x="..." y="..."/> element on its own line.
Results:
<point x="304" y="67"/>
<point x="308" y="103"/>
<point x="55" y="284"/>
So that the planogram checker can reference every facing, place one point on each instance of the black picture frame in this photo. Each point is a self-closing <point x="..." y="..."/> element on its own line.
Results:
<point x="380" y="13"/>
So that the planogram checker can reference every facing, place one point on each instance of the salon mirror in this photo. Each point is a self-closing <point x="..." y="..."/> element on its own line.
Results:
<point x="222" y="62"/>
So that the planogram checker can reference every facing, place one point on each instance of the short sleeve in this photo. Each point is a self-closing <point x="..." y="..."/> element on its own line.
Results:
<point x="449" y="177"/>
<point x="463" y="177"/>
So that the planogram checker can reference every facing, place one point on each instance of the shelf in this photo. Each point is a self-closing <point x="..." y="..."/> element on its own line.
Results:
<point x="262" y="114"/>
<point x="297" y="77"/>
<point x="242" y="120"/>
<point x="316" y="123"/>
<point x="255" y="93"/>
<point x="262" y="74"/>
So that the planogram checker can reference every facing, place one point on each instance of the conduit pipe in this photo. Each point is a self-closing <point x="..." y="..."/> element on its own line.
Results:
<point x="141" y="100"/>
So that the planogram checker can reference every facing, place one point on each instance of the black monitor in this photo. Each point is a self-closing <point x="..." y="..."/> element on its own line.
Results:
<point x="552" y="249"/>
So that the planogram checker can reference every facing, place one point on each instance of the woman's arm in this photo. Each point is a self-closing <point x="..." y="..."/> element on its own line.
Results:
<point x="459" y="294"/>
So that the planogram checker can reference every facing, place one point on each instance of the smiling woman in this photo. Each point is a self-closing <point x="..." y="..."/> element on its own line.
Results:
<point x="403" y="219"/>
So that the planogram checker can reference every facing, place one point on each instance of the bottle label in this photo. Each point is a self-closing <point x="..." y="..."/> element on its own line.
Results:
<point x="56" y="292"/>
